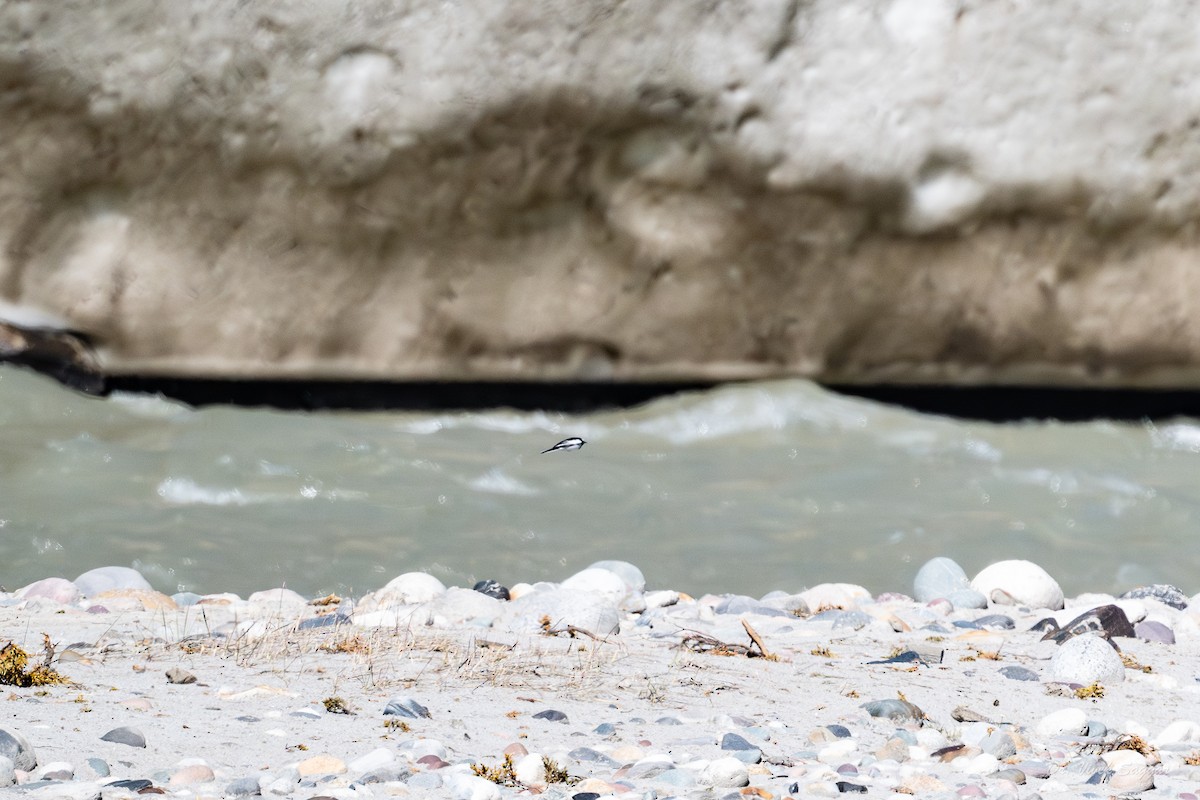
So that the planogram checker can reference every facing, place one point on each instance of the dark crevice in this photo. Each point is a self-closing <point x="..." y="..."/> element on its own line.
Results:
<point x="1015" y="403"/>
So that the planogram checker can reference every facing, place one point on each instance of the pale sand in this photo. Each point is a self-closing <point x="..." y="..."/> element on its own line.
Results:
<point x="483" y="687"/>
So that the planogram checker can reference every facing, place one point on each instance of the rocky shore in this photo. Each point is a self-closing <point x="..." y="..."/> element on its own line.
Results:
<point x="996" y="686"/>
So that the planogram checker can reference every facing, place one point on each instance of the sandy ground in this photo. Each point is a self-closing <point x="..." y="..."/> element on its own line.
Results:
<point x="483" y="688"/>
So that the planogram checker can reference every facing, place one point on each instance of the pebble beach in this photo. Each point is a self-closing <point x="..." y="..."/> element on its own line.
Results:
<point x="597" y="686"/>
<point x="994" y="686"/>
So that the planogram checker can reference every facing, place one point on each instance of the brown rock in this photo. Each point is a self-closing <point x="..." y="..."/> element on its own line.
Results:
<point x="323" y="764"/>
<point x="134" y="600"/>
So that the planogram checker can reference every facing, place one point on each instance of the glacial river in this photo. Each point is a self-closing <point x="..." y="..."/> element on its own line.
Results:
<point x="745" y="489"/>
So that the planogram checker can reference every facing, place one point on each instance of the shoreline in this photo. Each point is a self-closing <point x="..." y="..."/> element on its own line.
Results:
<point x="626" y="690"/>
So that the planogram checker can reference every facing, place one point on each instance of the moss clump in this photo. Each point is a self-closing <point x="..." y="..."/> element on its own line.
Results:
<point x="336" y="705"/>
<point x="1093" y="691"/>
<point x="14" y="668"/>
<point x="504" y="775"/>
<point x="555" y="773"/>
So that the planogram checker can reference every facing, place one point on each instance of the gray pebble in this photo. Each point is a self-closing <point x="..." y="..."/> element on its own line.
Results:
<point x="127" y="736"/>
<point x="99" y="766"/>
<point x="677" y="777"/>
<point x="840" y="731"/>
<point x="1011" y="774"/>
<point x="14" y="747"/>
<point x="180" y="675"/>
<point x="854" y="620"/>
<point x="996" y="622"/>
<point x="1081" y="768"/>
<point x="242" y="787"/>
<point x="386" y="774"/>
<point x="425" y="780"/>
<point x="132" y="784"/>
<point x="967" y="599"/>
<point x="731" y="741"/>
<point x="1015" y="673"/>
<point x="324" y="621"/>
<point x="741" y="604"/>
<point x="1162" y="592"/>
<point x="1152" y="631"/>
<point x="895" y="710"/>
<point x="667" y="721"/>
<point x="649" y="767"/>
<point x="593" y="756"/>
<point x="1035" y="769"/>
<point x="605" y="729"/>
<point x="404" y="706"/>
<point x="939" y="577"/>
<point x="999" y="744"/>
<point x="1096" y="729"/>
<point x="551" y="715"/>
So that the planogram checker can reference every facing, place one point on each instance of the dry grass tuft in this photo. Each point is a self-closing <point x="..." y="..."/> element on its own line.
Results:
<point x="1132" y="663"/>
<point x="555" y="773"/>
<point x="350" y="644"/>
<point x="1130" y="741"/>
<point x="504" y="774"/>
<point x="1093" y="691"/>
<point x="15" y="671"/>
<point x="336" y="705"/>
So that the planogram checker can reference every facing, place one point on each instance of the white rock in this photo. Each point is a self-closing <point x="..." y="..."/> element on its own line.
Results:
<point x="1088" y="600"/>
<point x="1131" y="773"/>
<point x="8" y="774"/>
<point x="931" y="738"/>
<point x="457" y="606"/>
<point x="531" y="770"/>
<point x="725" y="773"/>
<point x="102" y="579"/>
<point x="518" y="590"/>
<point x="60" y="590"/>
<point x="600" y="582"/>
<point x="67" y="790"/>
<point x="376" y="759"/>
<point x="630" y="574"/>
<point x="825" y="596"/>
<point x="415" y="749"/>
<point x="470" y="787"/>
<point x="593" y="613"/>
<point x="281" y="600"/>
<point x="56" y="766"/>
<point x="1018" y="583"/>
<point x="1065" y="722"/>
<point x="837" y="751"/>
<point x="1087" y="659"/>
<point x="1135" y="728"/>
<point x="982" y="764"/>
<point x="1178" y="732"/>
<point x="661" y="598"/>
<point x="406" y="589"/>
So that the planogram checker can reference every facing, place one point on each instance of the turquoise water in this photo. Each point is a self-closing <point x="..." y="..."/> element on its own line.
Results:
<point x="746" y="488"/>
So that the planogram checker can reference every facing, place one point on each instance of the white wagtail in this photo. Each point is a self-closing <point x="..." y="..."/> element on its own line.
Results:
<point x="574" y="443"/>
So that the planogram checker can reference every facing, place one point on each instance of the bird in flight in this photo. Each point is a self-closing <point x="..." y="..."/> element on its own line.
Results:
<point x="573" y="443"/>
